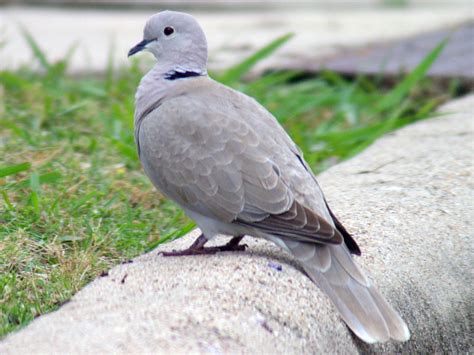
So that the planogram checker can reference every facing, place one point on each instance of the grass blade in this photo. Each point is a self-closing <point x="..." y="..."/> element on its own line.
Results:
<point x="35" y="48"/>
<point x="238" y="71"/>
<point x="127" y="150"/>
<point x="395" y="96"/>
<point x="37" y="180"/>
<point x="175" y="234"/>
<point x="14" y="169"/>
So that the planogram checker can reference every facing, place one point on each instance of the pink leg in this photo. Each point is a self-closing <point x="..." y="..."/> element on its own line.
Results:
<point x="198" y="248"/>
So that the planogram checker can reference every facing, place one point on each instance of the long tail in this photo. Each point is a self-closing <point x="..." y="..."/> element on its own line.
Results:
<point x="361" y="306"/>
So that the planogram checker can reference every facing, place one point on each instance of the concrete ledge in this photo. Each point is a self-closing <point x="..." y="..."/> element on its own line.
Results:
<point x="407" y="198"/>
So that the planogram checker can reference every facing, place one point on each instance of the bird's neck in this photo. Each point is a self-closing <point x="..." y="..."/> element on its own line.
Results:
<point x="160" y="82"/>
<point x="183" y="73"/>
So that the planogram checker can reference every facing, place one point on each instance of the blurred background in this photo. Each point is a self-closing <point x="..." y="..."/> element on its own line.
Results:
<point x="74" y="200"/>
<point x="234" y="28"/>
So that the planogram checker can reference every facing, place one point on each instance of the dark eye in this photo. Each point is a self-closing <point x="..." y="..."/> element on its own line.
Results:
<point x="168" y="31"/>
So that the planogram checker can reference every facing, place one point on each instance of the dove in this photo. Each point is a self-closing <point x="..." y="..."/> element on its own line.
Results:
<point x="227" y="162"/>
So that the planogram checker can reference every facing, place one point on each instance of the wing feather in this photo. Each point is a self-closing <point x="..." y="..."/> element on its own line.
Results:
<point x="215" y="164"/>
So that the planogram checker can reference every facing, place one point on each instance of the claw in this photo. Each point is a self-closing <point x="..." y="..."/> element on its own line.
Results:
<point x="198" y="248"/>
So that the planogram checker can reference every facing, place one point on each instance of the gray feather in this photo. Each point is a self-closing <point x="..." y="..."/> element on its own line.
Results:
<point x="229" y="164"/>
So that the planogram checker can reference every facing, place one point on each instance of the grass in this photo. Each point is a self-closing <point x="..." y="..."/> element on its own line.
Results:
<point x="73" y="198"/>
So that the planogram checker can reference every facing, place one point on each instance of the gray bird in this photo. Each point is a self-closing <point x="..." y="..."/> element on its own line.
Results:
<point x="232" y="168"/>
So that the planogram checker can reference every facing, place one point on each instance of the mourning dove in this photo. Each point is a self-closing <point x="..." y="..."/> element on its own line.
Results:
<point x="227" y="162"/>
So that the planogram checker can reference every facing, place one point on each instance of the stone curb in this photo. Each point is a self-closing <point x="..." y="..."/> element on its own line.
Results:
<point x="408" y="200"/>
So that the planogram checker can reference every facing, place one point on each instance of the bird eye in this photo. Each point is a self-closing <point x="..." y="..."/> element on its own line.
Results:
<point x="168" y="31"/>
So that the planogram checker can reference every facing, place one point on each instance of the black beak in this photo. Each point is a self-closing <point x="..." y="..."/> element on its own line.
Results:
<point x="139" y="47"/>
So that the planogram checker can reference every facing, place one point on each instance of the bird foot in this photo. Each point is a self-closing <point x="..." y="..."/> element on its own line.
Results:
<point x="198" y="248"/>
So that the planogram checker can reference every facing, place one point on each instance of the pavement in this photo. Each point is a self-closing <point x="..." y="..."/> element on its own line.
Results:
<point x="408" y="201"/>
<point x="103" y="33"/>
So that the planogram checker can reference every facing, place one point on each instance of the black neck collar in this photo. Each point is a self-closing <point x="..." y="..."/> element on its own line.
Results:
<point x="181" y="74"/>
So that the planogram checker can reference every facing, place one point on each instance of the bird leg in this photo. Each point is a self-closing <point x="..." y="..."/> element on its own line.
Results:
<point x="197" y="248"/>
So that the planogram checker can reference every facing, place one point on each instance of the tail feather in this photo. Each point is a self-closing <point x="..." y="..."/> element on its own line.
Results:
<point x="396" y="325"/>
<point x="359" y="303"/>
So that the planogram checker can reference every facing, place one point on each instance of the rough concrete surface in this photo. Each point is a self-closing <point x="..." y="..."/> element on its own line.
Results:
<point x="409" y="201"/>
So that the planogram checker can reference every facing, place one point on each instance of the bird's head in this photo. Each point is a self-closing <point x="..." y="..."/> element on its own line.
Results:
<point x="175" y="39"/>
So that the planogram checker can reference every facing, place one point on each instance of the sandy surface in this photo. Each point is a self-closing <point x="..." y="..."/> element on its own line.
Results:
<point x="408" y="200"/>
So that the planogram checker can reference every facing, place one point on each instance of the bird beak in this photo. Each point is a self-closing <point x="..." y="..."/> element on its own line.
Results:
<point x="139" y="47"/>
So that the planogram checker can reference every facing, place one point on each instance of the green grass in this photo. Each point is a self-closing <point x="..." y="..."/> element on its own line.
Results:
<point x="73" y="198"/>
